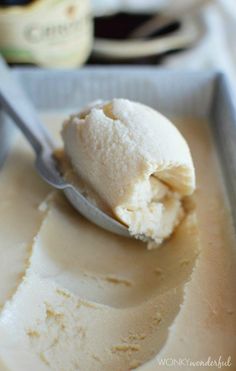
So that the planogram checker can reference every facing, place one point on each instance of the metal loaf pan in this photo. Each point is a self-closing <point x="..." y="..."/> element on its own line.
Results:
<point x="175" y="93"/>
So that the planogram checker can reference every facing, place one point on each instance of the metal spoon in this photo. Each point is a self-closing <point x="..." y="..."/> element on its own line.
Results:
<point x="15" y="103"/>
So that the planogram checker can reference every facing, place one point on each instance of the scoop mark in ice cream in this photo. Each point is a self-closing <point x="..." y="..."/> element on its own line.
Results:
<point x="136" y="161"/>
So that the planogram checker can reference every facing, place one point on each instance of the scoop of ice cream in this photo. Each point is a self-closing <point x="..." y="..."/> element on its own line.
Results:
<point x="136" y="160"/>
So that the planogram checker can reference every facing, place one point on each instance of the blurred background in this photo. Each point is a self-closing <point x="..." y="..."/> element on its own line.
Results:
<point x="73" y="33"/>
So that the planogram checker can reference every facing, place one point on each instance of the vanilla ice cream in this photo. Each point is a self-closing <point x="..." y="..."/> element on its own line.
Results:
<point x="76" y="297"/>
<point x="137" y="162"/>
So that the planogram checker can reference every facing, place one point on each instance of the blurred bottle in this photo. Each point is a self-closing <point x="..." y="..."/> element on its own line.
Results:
<point x="48" y="33"/>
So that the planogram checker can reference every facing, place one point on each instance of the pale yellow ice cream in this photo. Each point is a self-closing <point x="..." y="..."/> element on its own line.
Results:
<point x="74" y="297"/>
<point x="137" y="162"/>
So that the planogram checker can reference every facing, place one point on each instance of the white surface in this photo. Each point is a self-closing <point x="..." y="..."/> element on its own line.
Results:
<point x="101" y="7"/>
<point x="217" y="48"/>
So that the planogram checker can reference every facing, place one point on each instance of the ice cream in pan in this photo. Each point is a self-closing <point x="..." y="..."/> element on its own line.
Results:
<point x="79" y="298"/>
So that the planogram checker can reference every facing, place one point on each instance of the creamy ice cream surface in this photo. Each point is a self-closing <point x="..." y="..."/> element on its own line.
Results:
<point x="74" y="297"/>
<point x="136" y="160"/>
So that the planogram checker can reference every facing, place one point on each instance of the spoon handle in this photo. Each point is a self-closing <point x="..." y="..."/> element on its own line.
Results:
<point x="14" y="101"/>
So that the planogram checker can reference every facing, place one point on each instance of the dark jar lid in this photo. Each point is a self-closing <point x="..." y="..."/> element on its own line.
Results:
<point x="7" y="3"/>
